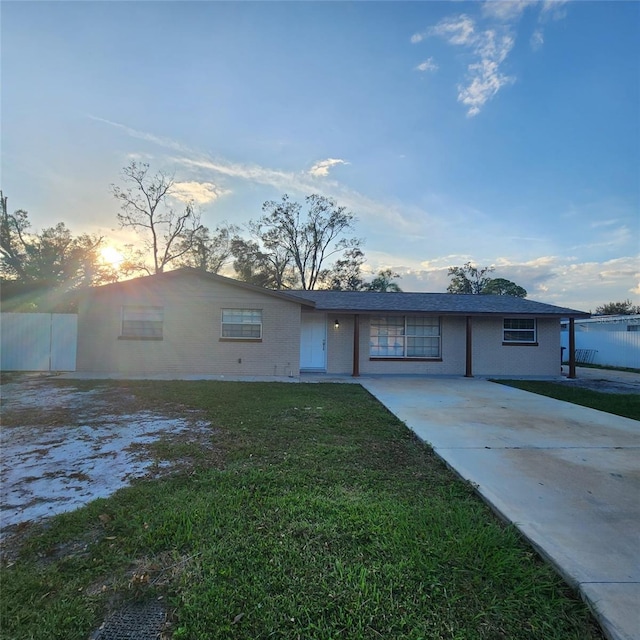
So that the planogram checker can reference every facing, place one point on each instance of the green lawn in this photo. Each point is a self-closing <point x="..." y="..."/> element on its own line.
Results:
<point x="620" y="404"/>
<point x="314" y="513"/>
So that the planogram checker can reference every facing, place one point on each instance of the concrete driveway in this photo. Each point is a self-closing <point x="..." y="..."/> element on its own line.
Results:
<point x="567" y="476"/>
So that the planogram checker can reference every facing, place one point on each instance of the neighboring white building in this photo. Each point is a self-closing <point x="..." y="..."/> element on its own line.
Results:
<point x="606" y="340"/>
<point x="606" y="323"/>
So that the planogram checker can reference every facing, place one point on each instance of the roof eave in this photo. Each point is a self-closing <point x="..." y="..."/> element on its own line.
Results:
<point x="565" y="313"/>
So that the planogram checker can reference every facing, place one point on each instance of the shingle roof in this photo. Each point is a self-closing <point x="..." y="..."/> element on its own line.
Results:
<point x="190" y="272"/>
<point x="375" y="302"/>
<point x="440" y="303"/>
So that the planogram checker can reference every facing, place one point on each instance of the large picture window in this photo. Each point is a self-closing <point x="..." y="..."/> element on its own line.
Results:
<point x="520" y="330"/>
<point x="142" y="323"/>
<point x="405" y="337"/>
<point x="242" y="324"/>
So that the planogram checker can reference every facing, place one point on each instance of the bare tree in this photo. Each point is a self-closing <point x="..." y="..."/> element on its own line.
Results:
<point x="167" y="234"/>
<point x="13" y="244"/>
<point x="266" y="267"/>
<point x="307" y="241"/>
<point x="346" y="273"/>
<point x="210" y="251"/>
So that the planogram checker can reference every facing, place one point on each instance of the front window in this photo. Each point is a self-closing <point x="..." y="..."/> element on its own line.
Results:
<point x="405" y="337"/>
<point x="242" y="323"/>
<point x="519" y="330"/>
<point x="142" y="323"/>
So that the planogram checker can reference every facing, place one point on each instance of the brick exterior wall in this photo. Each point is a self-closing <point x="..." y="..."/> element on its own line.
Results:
<point x="340" y="344"/>
<point x="492" y="358"/>
<point x="191" y="332"/>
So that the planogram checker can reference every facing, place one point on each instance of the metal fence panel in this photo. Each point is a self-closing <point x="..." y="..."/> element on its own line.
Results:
<point x="64" y="341"/>
<point x="613" y="348"/>
<point x="38" y="342"/>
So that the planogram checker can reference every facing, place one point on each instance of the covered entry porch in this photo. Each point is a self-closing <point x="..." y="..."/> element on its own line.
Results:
<point x="354" y="344"/>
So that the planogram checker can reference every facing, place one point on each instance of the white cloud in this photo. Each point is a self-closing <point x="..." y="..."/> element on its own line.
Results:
<point x="506" y="10"/>
<point x="553" y="9"/>
<point x="459" y="30"/>
<point x="489" y="44"/>
<point x="610" y="238"/>
<point x="582" y="285"/>
<point x="401" y="218"/>
<point x="512" y="10"/>
<point x="321" y="169"/>
<point x="142" y="135"/>
<point x="489" y="49"/>
<point x="622" y="272"/>
<point x="597" y="224"/>
<point x="253" y="173"/>
<point x="484" y="77"/>
<point x="537" y="39"/>
<point x="444" y="262"/>
<point x="427" y="65"/>
<point x="198" y="192"/>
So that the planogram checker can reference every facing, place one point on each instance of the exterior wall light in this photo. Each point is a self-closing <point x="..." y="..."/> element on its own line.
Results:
<point x="336" y="324"/>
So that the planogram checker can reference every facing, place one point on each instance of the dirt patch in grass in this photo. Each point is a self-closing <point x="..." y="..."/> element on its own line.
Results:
<point x="65" y="444"/>
<point x="603" y="385"/>
<point x="586" y="393"/>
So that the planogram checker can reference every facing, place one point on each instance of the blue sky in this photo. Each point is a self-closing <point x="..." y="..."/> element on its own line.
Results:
<point x="504" y="133"/>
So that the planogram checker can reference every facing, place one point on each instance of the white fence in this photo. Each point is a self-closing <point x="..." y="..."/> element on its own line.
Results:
<point x="612" y="348"/>
<point x="38" y="341"/>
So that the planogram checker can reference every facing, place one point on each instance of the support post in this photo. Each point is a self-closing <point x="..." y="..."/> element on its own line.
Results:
<point x="356" y="345"/>
<point x="469" y="359"/>
<point x="572" y="348"/>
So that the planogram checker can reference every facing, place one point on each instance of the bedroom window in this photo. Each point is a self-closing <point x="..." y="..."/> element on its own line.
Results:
<point x="142" y="323"/>
<point x="519" y="330"/>
<point x="405" y="337"/>
<point x="244" y="324"/>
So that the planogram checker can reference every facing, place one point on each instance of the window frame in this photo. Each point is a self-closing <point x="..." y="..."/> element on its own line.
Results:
<point x="405" y="337"/>
<point x="141" y="332"/>
<point x="519" y="341"/>
<point x="224" y="325"/>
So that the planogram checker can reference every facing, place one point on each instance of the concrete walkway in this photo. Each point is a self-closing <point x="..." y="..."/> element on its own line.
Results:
<point x="567" y="476"/>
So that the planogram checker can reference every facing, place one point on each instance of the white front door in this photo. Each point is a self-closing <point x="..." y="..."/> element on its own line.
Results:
<point x="313" y="342"/>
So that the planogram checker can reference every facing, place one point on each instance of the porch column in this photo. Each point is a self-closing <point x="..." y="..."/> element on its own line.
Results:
<point x="469" y="366"/>
<point x="572" y="347"/>
<point x="356" y="345"/>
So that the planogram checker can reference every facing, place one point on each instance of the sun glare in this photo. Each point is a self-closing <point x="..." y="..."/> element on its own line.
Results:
<point x="111" y="256"/>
